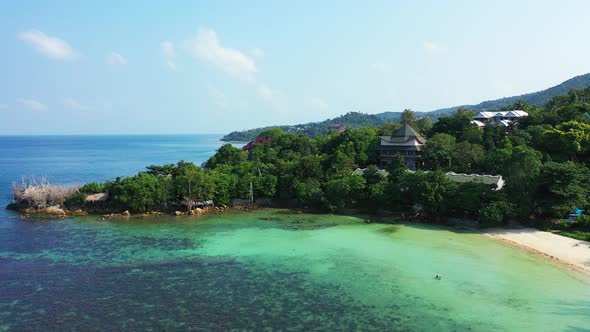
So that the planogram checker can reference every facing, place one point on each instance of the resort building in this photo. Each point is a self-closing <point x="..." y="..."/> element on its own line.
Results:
<point x="405" y="142"/>
<point x="496" y="181"/>
<point x="503" y="119"/>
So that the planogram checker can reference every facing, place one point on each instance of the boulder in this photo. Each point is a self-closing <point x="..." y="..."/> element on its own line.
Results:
<point x="78" y="212"/>
<point x="55" y="210"/>
<point x="178" y="213"/>
<point x="126" y="213"/>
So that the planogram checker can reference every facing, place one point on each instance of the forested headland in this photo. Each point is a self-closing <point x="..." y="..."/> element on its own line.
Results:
<point x="544" y="159"/>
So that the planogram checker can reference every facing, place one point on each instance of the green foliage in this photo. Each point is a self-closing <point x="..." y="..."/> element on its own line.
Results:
<point x="467" y="157"/>
<point x="454" y="125"/>
<point x="309" y="192"/>
<point x="343" y="191"/>
<point x="494" y="214"/>
<point x="226" y="155"/>
<point x="544" y="160"/>
<point x="439" y="152"/>
<point x="562" y="188"/>
<point x="92" y="188"/>
<point x="432" y="191"/>
<point x="137" y="193"/>
<point x="424" y="125"/>
<point x="408" y="117"/>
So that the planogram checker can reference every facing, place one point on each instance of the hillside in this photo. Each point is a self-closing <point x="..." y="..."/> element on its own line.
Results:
<point x="538" y="98"/>
<point x="313" y="129"/>
<point x="356" y="120"/>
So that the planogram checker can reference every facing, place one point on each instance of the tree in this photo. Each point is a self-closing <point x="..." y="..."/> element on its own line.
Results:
<point x="341" y="192"/>
<point x="309" y="192"/>
<point x="472" y="134"/>
<point x="226" y="155"/>
<point x="521" y="171"/>
<point x="432" y="191"/>
<point x="568" y="141"/>
<point x="562" y="187"/>
<point x="136" y="193"/>
<point x="439" y="152"/>
<point x="453" y="125"/>
<point x="408" y="117"/>
<point x="393" y="191"/>
<point x="467" y="157"/>
<point x="424" y="125"/>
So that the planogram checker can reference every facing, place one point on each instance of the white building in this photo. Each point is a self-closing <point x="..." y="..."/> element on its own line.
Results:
<point x="504" y="119"/>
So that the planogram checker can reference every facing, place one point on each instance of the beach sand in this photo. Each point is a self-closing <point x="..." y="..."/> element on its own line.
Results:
<point x="571" y="252"/>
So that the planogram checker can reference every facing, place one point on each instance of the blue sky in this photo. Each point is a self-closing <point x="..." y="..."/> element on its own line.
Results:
<point x="115" y="67"/>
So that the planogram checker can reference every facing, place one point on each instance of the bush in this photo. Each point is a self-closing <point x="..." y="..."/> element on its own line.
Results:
<point x="494" y="214"/>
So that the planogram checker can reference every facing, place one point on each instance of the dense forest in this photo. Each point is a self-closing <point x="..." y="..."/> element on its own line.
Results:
<point x="351" y="120"/>
<point x="544" y="160"/>
<point x="359" y="120"/>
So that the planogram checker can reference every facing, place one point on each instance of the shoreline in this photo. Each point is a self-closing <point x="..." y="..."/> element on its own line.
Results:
<point x="564" y="251"/>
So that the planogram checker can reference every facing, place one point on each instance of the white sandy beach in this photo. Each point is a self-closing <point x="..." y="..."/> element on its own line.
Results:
<point x="572" y="252"/>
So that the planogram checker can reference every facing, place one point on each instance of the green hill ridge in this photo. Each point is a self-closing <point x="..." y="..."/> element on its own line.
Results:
<point x="357" y="120"/>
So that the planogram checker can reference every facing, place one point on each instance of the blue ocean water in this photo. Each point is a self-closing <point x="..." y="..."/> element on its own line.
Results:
<point x="81" y="159"/>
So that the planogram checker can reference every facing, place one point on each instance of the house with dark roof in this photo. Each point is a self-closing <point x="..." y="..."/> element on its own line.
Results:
<point x="405" y="142"/>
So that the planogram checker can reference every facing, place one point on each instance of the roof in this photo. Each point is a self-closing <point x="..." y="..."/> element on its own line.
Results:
<point x="404" y="135"/>
<point x="477" y="123"/>
<point x="482" y="178"/>
<point x="496" y="180"/>
<point x="516" y="114"/>
<point x="361" y="171"/>
<point x="484" y="115"/>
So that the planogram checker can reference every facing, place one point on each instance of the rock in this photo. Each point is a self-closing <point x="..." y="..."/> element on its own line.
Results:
<point x="56" y="211"/>
<point x="198" y="211"/>
<point x="78" y="212"/>
<point x="126" y="213"/>
<point x="178" y="213"/>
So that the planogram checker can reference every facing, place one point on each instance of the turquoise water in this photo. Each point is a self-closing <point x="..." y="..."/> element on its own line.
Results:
<point x="294" y="272"/>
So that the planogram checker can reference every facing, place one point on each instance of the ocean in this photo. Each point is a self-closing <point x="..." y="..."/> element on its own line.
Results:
<point x="263" y="270"/>
<point x="80" y="159"/>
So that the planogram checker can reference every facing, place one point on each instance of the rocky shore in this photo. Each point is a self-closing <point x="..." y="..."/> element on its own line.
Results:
<point x="103" y="214"/>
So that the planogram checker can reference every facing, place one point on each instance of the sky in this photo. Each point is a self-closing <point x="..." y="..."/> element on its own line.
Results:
<point x="195" y="67"/>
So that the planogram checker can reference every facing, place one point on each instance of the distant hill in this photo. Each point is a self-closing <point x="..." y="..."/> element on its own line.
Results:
<point x="356" y="120"/>
<point x="312" y="129"/>
<point x="539" y="98"/>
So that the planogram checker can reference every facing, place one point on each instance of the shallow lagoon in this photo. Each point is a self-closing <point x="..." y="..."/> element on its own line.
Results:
<point x="293" y="272"/>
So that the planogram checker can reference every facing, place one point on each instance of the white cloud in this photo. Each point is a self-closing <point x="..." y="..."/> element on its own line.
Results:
<point x="51" y="47"/>
<point x="218" y="98"/>
<point x="317" y="103"/>
<point x="116" y="59"/>
<point x="434" y="48"/>
<point x="169" y="54"/>
<point x="381" y="67"/>
<point x="206" y="47"/>
<point x="32" y="104"/>
<point x="75" y="105"/>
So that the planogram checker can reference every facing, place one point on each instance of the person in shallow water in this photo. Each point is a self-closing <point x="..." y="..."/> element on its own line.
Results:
<point x="437" y="277"/>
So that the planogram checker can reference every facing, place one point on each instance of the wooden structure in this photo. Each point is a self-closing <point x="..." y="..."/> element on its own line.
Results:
<point x="405" y="142"/>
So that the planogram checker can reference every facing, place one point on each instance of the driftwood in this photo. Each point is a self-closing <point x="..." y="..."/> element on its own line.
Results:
<point x="39" y="193"/>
